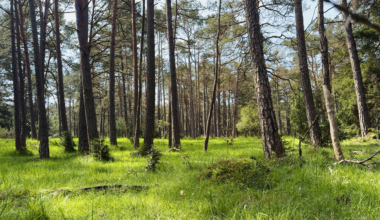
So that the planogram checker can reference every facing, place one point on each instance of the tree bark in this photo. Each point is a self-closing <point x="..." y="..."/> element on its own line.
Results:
<point x="338" y="153"/>
<point x="175" y="119"/>
<point x="235" y="105"/>
<point x="62" y="106"/>
<point x="191" y="101"/>
<point x="81" y="7"/>
<point x="112" y="116"/>
<point x="268" y="125"/>
<point x="150" y="86"/>
<point x="315" y="132"/>
<point x="356" y="71"/>
<point x="29" y="75"/>
<point x="43" y="130"/>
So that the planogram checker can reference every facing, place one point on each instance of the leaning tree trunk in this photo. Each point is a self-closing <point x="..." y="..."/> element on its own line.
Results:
<point x="175" y="120"/>
<point x="150" y="75"/>
<point x="216" y="73"/>
<point x="315" y="132"/>
<point x="356" y="70"/>
<point x="326" y="84"/>
<point x="43" y="130"/>
<point x="81" y="7"/>
<point x="29" y="75"/>
<point x="112" y="116"/>
<point x="16" y="88"/>
<point x="268" y="125"/>
<point x="62" y="106"/>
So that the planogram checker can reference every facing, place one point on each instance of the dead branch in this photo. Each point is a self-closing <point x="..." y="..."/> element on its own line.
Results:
<point x="304" y="136"/>
<point x="102" y="187"/>
<point x="363" y="162"/>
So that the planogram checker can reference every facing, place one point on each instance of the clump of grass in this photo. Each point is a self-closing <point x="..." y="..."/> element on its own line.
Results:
<point x="23" y="152"/>
<point x="36" y="209"/>
<point x="67" y="142"/>
<point x="99" y="150"/>
<point x="154" y="156"/>
<point x="246" y="172"/>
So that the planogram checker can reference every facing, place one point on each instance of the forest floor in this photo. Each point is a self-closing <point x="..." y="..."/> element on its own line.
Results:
<point x="309" y="188"/>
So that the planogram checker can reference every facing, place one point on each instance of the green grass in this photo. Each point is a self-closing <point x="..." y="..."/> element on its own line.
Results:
<point x="312" y="188"/>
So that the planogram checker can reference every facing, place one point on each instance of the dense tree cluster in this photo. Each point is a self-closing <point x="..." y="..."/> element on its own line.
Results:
<point x="162" y="69"/>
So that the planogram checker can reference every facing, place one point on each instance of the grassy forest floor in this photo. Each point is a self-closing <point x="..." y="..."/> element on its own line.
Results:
<point x="312" y="188"/>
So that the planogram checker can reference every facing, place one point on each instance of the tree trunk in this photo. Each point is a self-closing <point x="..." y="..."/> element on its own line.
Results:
<point x="315" y="132"/>
<point x="216" y="70"/>
<point x="150" y="86"/>
<point x="81" y="7"/>
<point x="112" y="116"/>
<point x="29" y="75"/>
<point x="191" y="101"/>
<point x="356" y="70"/>
<point x="62" y="106"/>
<point x="21" y="82"/>
<point x="83" y="144"/>
<point x="268" y="125"/>
<point x="16" y="88"/>
<point x="43" y="130"/>
<point x="326" y="85"/>
<point x="235" y="105"/>
<point x="175" y="119"/>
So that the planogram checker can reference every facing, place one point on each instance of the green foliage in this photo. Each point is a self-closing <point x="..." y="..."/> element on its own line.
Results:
<point x="249" y="121"/>
<point x="5" y="133"/>
<point x="6" y="116"/>
<point x="298" y="115"/>
<point x="100" y="151"/>
<point x="154" y="156"/>
<point x="67" y="142"/>
<point x="244" y="172"/>
<point x="36" y="209"/>
<point x="121" y="127"/>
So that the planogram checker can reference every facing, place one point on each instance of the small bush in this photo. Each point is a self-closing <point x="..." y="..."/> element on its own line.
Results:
<point x="100" y="151"/>
<point x="245" y="172"/>
<point x="67" y="142"/>
<point x="154" y="156"/>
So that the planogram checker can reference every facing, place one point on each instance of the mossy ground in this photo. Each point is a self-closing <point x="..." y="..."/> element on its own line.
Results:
<point x="311" y="188"/>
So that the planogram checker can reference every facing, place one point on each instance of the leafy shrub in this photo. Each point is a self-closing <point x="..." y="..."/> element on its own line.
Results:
<point x="5" y="133"/>
<point x="245" y="172"/>
<point x="249" y="121"/>
<point x="67" y="142"/>
<point x="154" y="156"/>
<point x="99" y="150"/>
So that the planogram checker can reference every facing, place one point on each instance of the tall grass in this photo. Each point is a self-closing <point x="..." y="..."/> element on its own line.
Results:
<point x="309" y="188"/>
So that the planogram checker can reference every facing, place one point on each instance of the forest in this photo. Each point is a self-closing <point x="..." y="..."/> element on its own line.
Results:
<point x="180" y="109"/>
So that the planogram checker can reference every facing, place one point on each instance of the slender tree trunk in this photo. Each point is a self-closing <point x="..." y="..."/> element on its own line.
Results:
<point x="135" y="73"/>
<point x="268" y="126"/>
<point x="356" y="70"/>
<point x="21" y="82"/>
<point x="235" y="105"/>
<point x="216" y="70"/>
<point x="315" y="132"/>
<point x="43" y="130"/>
<point x="338" y="153"/>
<point x="191" y="101"/>
<point x="81" y="7"/>
<point x="204" y="101"/>
<point x="150" y="86"/>
<point x="16" y="88"/>
<point x="29" y="75"/>
<point x="174" y="117"/>
<point x="62" y="106"/>
<point x="112" y="116"/>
